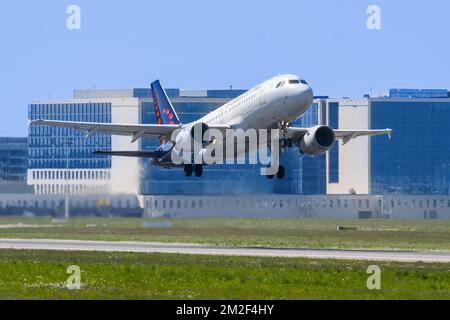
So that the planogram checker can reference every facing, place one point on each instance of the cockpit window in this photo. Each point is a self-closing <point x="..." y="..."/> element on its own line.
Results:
<point x="294" y="81"/>
<point x="281" y="84"/>
<point x="303" y="81"/>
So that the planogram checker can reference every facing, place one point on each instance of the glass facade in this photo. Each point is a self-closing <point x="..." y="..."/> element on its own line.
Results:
<point x="417" y="158"/>
<point x="49" y="147"/>
<point x="13" y="160"/>
<point x="333" y="120"/>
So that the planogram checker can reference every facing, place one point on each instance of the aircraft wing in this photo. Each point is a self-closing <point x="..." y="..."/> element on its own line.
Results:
<point x="345" y="135"/>
<point x="134" y="130"/>
<point x="348" y="135"/>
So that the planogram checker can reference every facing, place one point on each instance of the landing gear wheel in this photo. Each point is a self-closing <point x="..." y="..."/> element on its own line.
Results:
<point x="289" y="143"/>
<point x="281" y="173"/>
<point x="188" y="170"/>
<point x="198" y="170"/>
<point x="286" y="143"/>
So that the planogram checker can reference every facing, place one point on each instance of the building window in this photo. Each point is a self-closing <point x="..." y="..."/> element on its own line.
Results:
<point x="333" y="117"/>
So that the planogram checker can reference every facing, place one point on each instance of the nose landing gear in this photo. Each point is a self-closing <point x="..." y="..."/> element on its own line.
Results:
<point x="286" y="143"/>
<point x="284" y="126"/>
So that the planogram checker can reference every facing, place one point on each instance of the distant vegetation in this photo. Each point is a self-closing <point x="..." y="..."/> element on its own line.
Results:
<point x="295" y="233"/>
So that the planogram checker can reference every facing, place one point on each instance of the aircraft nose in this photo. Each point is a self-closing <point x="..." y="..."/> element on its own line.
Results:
<point x="307" y="94"/>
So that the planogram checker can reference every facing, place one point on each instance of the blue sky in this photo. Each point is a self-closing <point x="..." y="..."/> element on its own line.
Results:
<point x="214" y="44"/>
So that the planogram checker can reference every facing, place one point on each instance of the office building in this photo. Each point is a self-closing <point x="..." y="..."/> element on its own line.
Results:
<point x="13" y="165"/>
<point x="417" y="158"/>
<point x="415" y="161"/>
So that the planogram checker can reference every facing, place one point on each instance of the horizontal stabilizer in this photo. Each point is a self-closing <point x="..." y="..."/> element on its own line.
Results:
<point x="132" y="154"/>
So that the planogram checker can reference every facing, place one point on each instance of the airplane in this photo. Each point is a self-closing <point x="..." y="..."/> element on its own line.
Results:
<point x="271" y="105"/>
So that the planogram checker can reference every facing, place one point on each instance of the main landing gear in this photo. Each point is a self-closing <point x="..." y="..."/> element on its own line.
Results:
<point x="280" y="174"/>
<point x="190" y="169"/>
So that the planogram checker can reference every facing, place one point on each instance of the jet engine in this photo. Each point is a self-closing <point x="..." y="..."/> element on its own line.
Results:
<point x="317" y="141"/>
<point x="193" y="134"/>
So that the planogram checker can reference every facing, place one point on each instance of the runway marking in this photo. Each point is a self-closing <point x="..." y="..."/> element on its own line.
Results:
<point x="25" y="226"/>
<point x="194" y="249"/>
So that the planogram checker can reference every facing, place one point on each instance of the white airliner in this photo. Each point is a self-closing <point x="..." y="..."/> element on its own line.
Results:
<point x="273" y="104"/>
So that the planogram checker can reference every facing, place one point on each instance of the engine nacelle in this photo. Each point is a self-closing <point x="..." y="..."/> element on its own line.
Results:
<point x="317" y="141"/>
<point x="193" y="134"/>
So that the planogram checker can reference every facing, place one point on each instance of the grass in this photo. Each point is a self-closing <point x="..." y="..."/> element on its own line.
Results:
<point x="42" y="275"/>
<point x="295" y="233"/>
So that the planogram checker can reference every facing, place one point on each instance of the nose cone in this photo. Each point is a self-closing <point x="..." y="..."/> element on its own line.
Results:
<point x="307" y="94"/>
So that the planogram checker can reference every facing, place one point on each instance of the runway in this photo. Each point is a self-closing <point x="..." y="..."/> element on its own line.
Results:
<point x="177" y="248"/>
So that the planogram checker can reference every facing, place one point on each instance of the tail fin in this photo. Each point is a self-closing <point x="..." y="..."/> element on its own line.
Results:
<point x="165" y="113"/>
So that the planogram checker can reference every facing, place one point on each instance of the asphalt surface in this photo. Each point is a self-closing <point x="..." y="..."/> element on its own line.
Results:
<point x="177" y="248"/>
